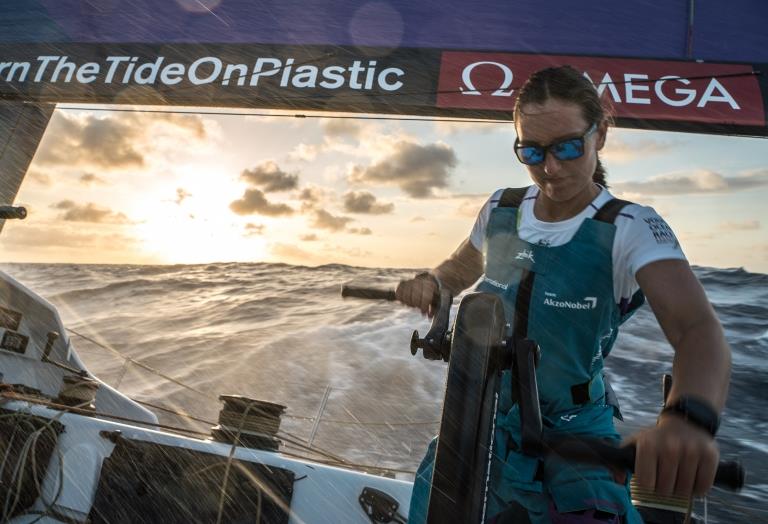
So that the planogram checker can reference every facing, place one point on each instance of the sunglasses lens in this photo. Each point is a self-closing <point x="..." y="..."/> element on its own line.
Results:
<point x="568" y="149"/>
<point x="530" y="155"/>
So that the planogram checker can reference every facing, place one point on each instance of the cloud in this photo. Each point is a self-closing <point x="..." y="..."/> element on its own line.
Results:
<point x="252" y="230"/>
<point x="306" y="152"/>
<point x="336" y="135"/>
<point x="181" y="195"/>
<point x="293" y="254"/>
<point x="692" y="236"/>
<point x="342" y="128"/>
<point x="89" y="212"/>
<point x="63" y="236"/>
<point x="90" y="178"/>
<point x="250" y="226"/>
<point x="416" y="169"/>
<point x="253" y="201"/>
<point x="313" y="194"/>
<point x="446" y="127"/>
<point x="637" y="198"/>
<point x="360" y="231"/>
<point x="191" y="123"/>
<point x="418" y="219"/>
<point x="109" y="141"/>
<point x="325" y="220"/>
<point x="746" y="225"/>
<point x="700" y="182"/>
<point x="365" y="203"/>
<point x="470" y="206"/>
<point x="311" y="237"/>
<point x="269" y="177"/>
<point x="620" y="151"/>
<point x="44" y="179"/>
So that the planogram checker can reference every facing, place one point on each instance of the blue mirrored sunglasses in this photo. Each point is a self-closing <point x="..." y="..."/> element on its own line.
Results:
<point x="570" y="149"/>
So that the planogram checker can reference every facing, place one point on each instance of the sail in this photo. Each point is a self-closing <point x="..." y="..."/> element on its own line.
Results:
<point x="682" y="65"/>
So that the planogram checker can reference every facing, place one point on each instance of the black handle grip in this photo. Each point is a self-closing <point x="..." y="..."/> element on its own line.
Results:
<point x="7" y="212"/>
<point x="367" y="293"/>
<point x="730" y="474"/>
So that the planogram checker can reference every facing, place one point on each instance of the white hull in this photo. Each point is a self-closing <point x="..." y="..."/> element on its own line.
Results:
<point x="321" y="493"/>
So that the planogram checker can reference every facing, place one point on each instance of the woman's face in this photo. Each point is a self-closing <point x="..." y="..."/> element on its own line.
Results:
<point x="553" y="121"/>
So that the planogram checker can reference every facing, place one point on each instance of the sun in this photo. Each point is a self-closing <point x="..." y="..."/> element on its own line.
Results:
<point x="196" y="230"/>
<point x="186" y="240"/>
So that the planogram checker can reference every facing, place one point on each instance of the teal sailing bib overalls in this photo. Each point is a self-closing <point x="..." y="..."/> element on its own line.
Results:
<point x="561" y="297"/>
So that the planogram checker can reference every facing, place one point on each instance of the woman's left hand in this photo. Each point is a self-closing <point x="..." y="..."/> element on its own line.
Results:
<point x="675" y="457"/>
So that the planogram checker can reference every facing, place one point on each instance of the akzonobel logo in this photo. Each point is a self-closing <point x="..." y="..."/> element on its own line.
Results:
<point x="585" y="303"/>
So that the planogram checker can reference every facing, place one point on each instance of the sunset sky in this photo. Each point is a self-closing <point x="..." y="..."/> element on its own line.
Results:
<point x="159" y="188"/>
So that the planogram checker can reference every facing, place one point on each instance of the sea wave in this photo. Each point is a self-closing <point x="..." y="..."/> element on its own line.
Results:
<point x="283" y="333"/>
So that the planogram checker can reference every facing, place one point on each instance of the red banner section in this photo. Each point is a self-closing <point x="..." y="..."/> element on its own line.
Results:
<point x="640" y="89"/>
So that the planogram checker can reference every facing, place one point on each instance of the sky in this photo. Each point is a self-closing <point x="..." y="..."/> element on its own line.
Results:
<point x="184" y="187"/>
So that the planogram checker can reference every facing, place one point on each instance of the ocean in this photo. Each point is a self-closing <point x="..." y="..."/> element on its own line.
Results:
<point x="179" y="336"/>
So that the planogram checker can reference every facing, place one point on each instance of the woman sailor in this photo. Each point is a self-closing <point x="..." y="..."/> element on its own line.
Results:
<point x="583" y="262"/>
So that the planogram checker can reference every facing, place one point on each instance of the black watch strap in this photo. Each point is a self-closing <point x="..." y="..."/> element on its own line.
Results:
<point x="697" y="412"/>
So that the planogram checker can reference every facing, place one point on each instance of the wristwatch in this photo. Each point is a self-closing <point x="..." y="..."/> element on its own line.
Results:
<point x="697" y="412"/>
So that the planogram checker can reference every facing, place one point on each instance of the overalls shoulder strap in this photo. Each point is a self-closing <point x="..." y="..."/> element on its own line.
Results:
<point x="608" y="214"/>
<point x="512" y="197"/>
<point x="610" y="210"/>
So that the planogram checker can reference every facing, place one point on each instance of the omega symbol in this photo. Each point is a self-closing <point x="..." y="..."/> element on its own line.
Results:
<point x="503" y="89"/>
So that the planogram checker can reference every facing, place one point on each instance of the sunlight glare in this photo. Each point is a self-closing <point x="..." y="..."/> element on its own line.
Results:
<point x="188" y="231"/>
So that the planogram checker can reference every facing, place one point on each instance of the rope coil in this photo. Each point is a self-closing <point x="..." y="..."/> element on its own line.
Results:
<point x="255" y="423"/>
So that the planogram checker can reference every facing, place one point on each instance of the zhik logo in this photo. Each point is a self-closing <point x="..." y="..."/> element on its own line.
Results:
<point x="525" y="255"/>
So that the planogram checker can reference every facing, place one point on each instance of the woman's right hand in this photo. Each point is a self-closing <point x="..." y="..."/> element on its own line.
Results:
<point x="420" y="292"/>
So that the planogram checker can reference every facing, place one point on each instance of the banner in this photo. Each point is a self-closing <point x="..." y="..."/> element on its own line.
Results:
<point x="679" y="65"/>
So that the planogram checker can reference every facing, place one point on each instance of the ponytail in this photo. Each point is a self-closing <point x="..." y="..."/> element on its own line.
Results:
<point x="599" y="175"/>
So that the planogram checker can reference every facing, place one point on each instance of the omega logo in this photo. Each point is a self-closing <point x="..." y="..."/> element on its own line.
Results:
<point x="503" y="89"/>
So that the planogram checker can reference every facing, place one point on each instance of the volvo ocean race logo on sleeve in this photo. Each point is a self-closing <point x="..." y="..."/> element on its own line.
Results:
<point x="661" y="231"/>
<point x="643" y="89"/>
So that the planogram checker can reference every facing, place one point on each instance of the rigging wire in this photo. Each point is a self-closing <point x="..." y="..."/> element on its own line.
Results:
<point x="160" y="374"/>
<point x="279" y="115"/>
<point x="287" y="437"/>
<point x="328" y="458"/>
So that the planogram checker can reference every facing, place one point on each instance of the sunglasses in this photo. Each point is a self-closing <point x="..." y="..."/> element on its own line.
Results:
<point x="570" y="149"/>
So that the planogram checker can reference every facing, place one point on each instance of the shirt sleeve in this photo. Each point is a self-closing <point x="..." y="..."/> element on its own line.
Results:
<point x="642" y="237"/>
<point x="477" y="235"/>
